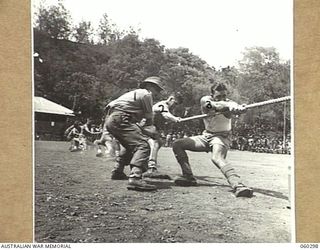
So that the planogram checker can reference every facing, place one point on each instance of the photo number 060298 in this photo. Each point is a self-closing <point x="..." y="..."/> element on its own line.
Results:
<point x="165" y="122"/>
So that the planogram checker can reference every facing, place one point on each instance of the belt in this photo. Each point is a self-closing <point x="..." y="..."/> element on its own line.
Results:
<point x="112" y="110"/>
<point x="132" y="116"/>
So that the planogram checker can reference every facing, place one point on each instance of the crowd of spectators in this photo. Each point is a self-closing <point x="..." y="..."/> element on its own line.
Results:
<point x="262" y="144"/>
<point x="261" y="136"/>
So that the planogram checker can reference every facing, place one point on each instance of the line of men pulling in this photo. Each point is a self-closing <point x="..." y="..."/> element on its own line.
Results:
<point x="131" y="120"/>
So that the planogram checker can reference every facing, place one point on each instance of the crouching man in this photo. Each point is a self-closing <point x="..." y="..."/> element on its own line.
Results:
<point x="215" y="138"/>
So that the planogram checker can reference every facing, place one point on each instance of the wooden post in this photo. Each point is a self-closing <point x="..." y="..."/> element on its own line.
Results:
<point x="284" y="126"/>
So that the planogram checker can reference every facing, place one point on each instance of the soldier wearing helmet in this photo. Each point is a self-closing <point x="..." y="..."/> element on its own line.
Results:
<point x="124" y="114"/>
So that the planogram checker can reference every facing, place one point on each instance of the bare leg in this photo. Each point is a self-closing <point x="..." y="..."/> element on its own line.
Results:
<point x="152" y="171"/>
<point x="179" y="148"/>
<point x="155" y="146"/>
<point x="218" y="158"/>
<point x="219" y="153"/>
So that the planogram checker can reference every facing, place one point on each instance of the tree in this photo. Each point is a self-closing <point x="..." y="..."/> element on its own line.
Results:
<point x="83" y="32"/>
<point x="82" y="91"/>
<point x="54" y="21"/>
<point x="131" y="60"/>
<point x="188" y="74"/>
<point x="108" y="31"/>
<point x="264" y="77"/>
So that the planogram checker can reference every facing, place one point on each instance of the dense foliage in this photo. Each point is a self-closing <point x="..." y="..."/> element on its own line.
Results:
<point x="84" y="69"/>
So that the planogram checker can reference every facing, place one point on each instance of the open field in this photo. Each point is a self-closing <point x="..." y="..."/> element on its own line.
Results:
<point x="76" y="201"/>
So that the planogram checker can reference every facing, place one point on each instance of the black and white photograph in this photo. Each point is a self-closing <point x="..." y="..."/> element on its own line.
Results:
<point x="163" y="121"/>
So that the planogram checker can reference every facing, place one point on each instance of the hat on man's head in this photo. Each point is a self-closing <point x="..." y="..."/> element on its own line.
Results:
<point x="154" y="80"/>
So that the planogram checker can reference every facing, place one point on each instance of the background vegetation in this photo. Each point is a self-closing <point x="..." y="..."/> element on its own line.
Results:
<point x="83" y="69"/>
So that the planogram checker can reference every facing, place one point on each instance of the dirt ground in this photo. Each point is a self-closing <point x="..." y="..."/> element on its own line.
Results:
<point x="76" y="201"/>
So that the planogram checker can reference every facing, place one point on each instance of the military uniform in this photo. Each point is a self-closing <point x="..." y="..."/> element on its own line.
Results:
<point x="124" y="113"/>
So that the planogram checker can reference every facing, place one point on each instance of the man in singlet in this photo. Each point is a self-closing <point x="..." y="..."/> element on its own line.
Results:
<point x="162" y="114"/>
<point x="215" y="138"/>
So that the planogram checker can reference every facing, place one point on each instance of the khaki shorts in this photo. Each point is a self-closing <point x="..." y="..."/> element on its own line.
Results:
<point x="207" y="140"/>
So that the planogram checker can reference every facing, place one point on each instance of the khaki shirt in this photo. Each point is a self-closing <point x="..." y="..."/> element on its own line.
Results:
<point x="137" y="102"/>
